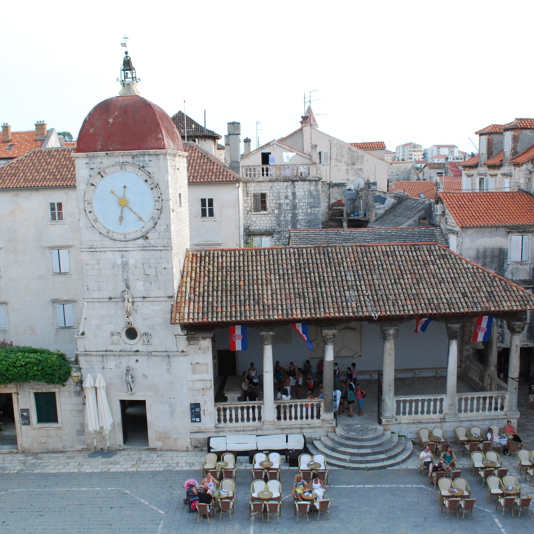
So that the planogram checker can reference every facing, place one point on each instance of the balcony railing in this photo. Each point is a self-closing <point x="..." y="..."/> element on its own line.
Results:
<point x="280" y="171"/>
<point x="292" y="411"/>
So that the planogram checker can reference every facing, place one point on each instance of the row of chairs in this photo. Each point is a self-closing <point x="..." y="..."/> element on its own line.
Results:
<point x="306" y="460"/>
<point x="270" y="473"/>
<point x="448" y="488"/>
<point x="480" y="461"/>
<point x="209" y="465"/>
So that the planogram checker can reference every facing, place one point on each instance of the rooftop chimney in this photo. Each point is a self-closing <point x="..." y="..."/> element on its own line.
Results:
<point x="246" y="143"/>
<point x="234" y="130"/>
<point x="40" y="130"/>
<point x="6" y="133"/>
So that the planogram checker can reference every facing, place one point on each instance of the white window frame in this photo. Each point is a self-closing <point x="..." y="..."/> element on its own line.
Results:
<point x="261" y="241"/>
<point x="207" y="211"/>
<point x="60" y="260"/>
<point x="54" y="211"/>
<point x="65" y="316"/>
<point x="258" y="195"/>
<point x="3" y="316"/>
<point x="324" y="157"/>
<point x="519" y="248"/>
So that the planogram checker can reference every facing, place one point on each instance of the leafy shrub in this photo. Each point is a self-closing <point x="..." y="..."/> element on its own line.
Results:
<point x="28" y="364"/>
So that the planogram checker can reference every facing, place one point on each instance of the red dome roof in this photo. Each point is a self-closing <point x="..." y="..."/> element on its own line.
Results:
<point x="127" y="123"/>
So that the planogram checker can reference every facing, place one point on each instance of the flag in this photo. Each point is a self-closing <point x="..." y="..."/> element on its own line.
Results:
<point x="302" y="329"/>
<point x="483" y="328"/>
<point x="238" y="337"/>
<point x="422" y="324"/>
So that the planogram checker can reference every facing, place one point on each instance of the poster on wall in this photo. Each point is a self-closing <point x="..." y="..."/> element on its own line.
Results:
<point x="195" y="412"/>
<point x="25" y="416"/>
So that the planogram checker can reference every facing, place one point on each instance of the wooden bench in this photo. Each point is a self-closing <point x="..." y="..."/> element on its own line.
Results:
<point x="232" y="388"/>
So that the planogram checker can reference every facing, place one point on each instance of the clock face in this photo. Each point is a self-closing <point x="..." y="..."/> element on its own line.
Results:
<point x="123" y="202"/>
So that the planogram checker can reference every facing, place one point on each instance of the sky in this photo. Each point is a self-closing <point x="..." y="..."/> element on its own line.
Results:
<point x="419" y="71"/>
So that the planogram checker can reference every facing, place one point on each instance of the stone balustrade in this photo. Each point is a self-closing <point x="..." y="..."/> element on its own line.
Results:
<point x="490" y="402"/>
<point x="279" y="171"/>
<point x="425" y="407"/>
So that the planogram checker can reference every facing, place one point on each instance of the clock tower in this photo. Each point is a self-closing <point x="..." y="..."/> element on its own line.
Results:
<point x="131" y="171"/>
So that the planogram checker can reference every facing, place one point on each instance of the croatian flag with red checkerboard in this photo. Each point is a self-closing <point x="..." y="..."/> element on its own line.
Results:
<point x="238" y="337"/>
<point x="483" y="328"/>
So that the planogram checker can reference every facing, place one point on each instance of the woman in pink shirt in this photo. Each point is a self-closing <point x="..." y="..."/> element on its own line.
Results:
<point x="360" y="395"/>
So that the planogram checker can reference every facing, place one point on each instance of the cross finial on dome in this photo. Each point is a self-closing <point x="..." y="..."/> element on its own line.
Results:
<point x="128" y="78"/>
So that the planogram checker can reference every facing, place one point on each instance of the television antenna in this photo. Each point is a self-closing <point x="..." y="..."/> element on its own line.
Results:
<point x="308" y="99"/>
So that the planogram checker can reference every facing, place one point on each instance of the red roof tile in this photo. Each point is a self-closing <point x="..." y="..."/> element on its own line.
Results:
<point x="202" y="167"/>
<point x="415" y="189"/>
<point x="452" y="184"/>
<point x="194" y="130"/>
<point x="370" y="145"/>
<point x="338" y="282"/>
<point x="454" y="169"/>
<point x="472" y="162"/>
<point x="520" y="123"/>
<point x="21" y="143"/>
<point x="492" y="128"/>
<point x="479" y="209"/>
<point x="47" y="167"/>
<point x="495" y="160"/>
<point x="525" y="156"/>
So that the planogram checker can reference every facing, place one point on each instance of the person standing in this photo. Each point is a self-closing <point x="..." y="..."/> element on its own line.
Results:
<point x="360" y="395"/>
<point x="336" y="376"/>
<point x="531" y="394"/>
<point x="351" y="397"/>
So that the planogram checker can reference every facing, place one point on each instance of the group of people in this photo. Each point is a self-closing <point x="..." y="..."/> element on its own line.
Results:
<point x="300" y="487"/>
<point x="205" y="492"/>
<point x="509" y="433"/>
<point x="447" y="460"/>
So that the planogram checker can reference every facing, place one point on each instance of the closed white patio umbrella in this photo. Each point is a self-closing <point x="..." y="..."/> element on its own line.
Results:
<point x="104" y="412"/>
<point x="91" y="411"/>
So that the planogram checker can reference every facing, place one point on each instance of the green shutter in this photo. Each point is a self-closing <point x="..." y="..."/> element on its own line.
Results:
<point x="45" y="406"/>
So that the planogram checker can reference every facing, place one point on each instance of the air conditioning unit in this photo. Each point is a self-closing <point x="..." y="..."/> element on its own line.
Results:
<point x="438" y="209"/>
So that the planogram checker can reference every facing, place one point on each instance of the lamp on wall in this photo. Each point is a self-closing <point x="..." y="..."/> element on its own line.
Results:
<point x="76" y="376"/>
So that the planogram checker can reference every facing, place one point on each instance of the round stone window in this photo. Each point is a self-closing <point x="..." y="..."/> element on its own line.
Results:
<point x="131" y="335"/>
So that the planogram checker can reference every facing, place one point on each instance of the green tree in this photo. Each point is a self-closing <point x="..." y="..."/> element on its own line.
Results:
<point x="67" y="136"/>
<point x="29" y="364"/>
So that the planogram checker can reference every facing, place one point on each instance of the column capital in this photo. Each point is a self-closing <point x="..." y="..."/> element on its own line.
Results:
<point x="515" y="327"/>
<point x="267" y="336"/>
<point x="453" y="331"/>
<point x="389" y="332"/>
<point x="328" y="335"/>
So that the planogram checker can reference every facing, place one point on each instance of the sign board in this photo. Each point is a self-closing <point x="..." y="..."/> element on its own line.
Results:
<point x="25" y="416"/>
<point x="195" y="412"/>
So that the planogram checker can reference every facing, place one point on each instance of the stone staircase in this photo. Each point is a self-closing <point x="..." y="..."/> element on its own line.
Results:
<point x="363" y="447"/>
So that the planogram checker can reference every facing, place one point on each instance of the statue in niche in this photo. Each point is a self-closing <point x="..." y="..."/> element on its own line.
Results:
<point x="147" y="338"/>
<point x="128" y="306"/>
<point x="129" y="381"/>
<point x="115" y="337"/>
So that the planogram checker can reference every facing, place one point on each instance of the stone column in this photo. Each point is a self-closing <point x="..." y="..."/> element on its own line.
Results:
<point x="515" y="328"/>
<point x="389" y="334"/>
<point x="269" y="412"/>
<point x="490" y="365"/>
<point x="453" y="333"/>
<point x="328" y="374"/>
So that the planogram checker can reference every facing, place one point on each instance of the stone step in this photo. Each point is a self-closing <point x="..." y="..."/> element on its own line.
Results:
<point x="353" y="456"/>
<point x="361" y="433"/>
<point x="375" y="463"/>
<point x="347" y="447"/>
<point x="344" y="440"/>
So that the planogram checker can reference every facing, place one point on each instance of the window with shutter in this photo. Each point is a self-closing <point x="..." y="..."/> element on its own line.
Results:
<point x="259" y="202"/>
<point x="46" y="407"/>
<point x="65" y="317"/>
<point x="324" y="157"/>
<point x="60" y="260"/>
<point x="3" y="316"/>
<point x="519" y="248"/>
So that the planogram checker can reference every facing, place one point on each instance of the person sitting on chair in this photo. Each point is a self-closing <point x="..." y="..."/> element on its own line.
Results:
<point x="449" y="459"/>
<point x="299" y="487"/>
<point x="426" y="457"/>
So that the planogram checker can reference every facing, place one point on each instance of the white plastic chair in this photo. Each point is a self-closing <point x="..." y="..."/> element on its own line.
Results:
<point x="304" y="460"/>
<point x="256" y="486"/>
<point x="319" y="458"/>
<point x="275" y="488"/>
<point x="494" y="487"/>
<point x="229" y="458"/>
<point x="274" y="457"/>
<point x="259" y="457"/>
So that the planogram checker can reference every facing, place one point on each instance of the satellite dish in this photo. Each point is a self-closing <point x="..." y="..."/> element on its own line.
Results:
<point x="358" y="183"/>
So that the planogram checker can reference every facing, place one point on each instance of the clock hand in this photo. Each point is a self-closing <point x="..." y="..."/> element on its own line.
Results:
<point x="121" y="218"/>
<point x="140" y="218"/>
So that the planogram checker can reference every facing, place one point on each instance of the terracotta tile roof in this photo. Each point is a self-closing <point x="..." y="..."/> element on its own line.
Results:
<point x="342" y="282"/>
<point x="452" y="184"/>
<point x="525" y="156"/>
<point x="69" y="144"/>
<point x="472" y="162"/>
<point x="478" y="209"/>
<point x="194" y="129"/>
<point x="367" y="236"/>
<point x="520" y="123"/>
<point x="454" y="169"/>
<point x="21" y="143"/>
<point x="202" y="167"/>
<point x="492" y="128"/>
<point x="415" y="189"/>
<point x="47" y="167"/>
<point x="495" y="160"/>
<point x="370" y="145"/>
